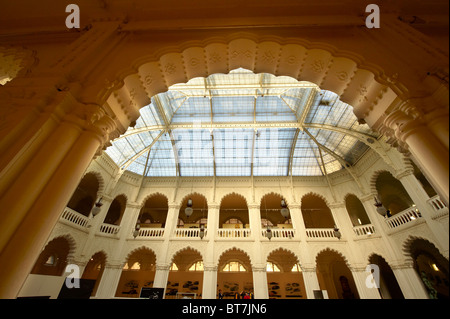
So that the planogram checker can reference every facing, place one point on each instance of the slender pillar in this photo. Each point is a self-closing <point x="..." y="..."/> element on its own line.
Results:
<point x="161" y="276"/>
<point x="311" y="281"/>
<point x="260" y="285"/>
<point x="109" y="281"/>
<point x="210" y="268"/>
<point x="297" y="222"/>
<point x="367" y="289"/>
<point x="409" y="281"/>
<point x="420" y="198"/>
<point x="209" y="282"/>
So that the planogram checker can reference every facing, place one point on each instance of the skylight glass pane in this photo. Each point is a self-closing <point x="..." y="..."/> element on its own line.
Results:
<point x="196" y="109"/>
<point x="233" y="151"/>
<point x="273" y="109"/>
<point x="272" y="151"/>
<point x="195" y="154"/>
<point x="233" y="109"/>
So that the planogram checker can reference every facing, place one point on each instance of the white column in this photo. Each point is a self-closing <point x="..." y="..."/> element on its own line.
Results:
<point x="255" y="221"/>
<point x="161" y="276"/>
<point x="260" y="285"/>
<point x="110" y="279"/>
<point x="409" y="281"/>
<point x="213" y="222"/>
<point x="210" y="269"/>
<point x="209" y="282"/>
<point x="366" y="288"/>
<point x="342" y="220"/>
<point x="95" y="222"/>
<point x="297" y="222"/>
<point x="420" y="198"/>
<point x="311" y="280"/>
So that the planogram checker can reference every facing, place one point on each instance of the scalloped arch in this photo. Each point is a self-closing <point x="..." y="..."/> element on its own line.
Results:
<point x="356" y="81"/>
<point x="146" y="198"/>
<point x="316" y="195"/>
<point x="275" y="194"/>
<point x="100" y="179"/>
<point x="140" y="249"/>
<point x="229" y="249"/>
<point x="185" y="249"/>
<point x="284" y="250"/>
<point x="235" y="194"/>
<point x="185" y="198"/>
<point x="334" y="251"/>
<point x="409" y="243"/>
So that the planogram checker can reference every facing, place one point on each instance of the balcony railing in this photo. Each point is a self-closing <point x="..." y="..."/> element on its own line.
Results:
<point x="151" y="233"/>
<point x="320" y="233"/>
<point x="233" y="233"/>
<point x="363" y="230"/>
<point x="279" y="234"/>
<point x="439" y="207"/>
<point x="407" y="216"/>
<point x="75" y="218"/>
<point x="109" y="229"/>
<point x="189" y="232"/>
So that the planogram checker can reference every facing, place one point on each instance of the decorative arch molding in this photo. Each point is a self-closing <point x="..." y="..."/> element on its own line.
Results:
<point x="334" y="251"/>
<point x="146" y="198"/>
<point x="71" y="242"/>
<point x="235" y="194"/>
<point x="283" y="250"/>
<point x="186" y="197"/>
<point x="358" y="82"/>
<point x="316" y="195"/>
<point x="183" y="250"/>
<point x="140" y="249"/>
<point x="374" y="178"/>
<point x="275" y="194"/>
<point x="100" y="179"/>
<point x="229" y="249"/>
<point x="417" y="242"/>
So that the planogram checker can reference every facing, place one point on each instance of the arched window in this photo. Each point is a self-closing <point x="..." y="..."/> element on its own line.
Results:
<point x="234" y="266"/>
<point x="272" y="267"/>
<point x="197" y="266"/>
<point x="296" y="268"/>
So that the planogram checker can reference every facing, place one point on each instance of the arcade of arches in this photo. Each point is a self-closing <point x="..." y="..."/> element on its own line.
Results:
<point x="285" y="152"/>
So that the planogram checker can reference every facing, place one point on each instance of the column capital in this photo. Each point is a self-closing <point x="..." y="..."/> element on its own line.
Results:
<point x="337" y="205"/>
<point x="407" y="264"/>
<point x="163" y="267"/>
<point x="259" y="268"/>
<point x="404" y="173"/>
<point x="212" y="268"/>
<point x="174" y="206"/>
<point x="254" y="206"/>
<point x="115" y="265"/>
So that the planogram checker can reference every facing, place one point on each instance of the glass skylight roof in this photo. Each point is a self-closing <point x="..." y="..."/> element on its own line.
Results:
<point x="242" y="124"/>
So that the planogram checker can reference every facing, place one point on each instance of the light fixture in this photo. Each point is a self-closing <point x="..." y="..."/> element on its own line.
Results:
<point x="269" y="232"/>
<point x="188" y="210"/>
<point x="97" y="207"/>
<point x="337" y="233"/>
<point x="284" y="210"/>
<point x="202" y="231"/>
<point x="380" y="208"/>
<point x="136" y="229"/>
